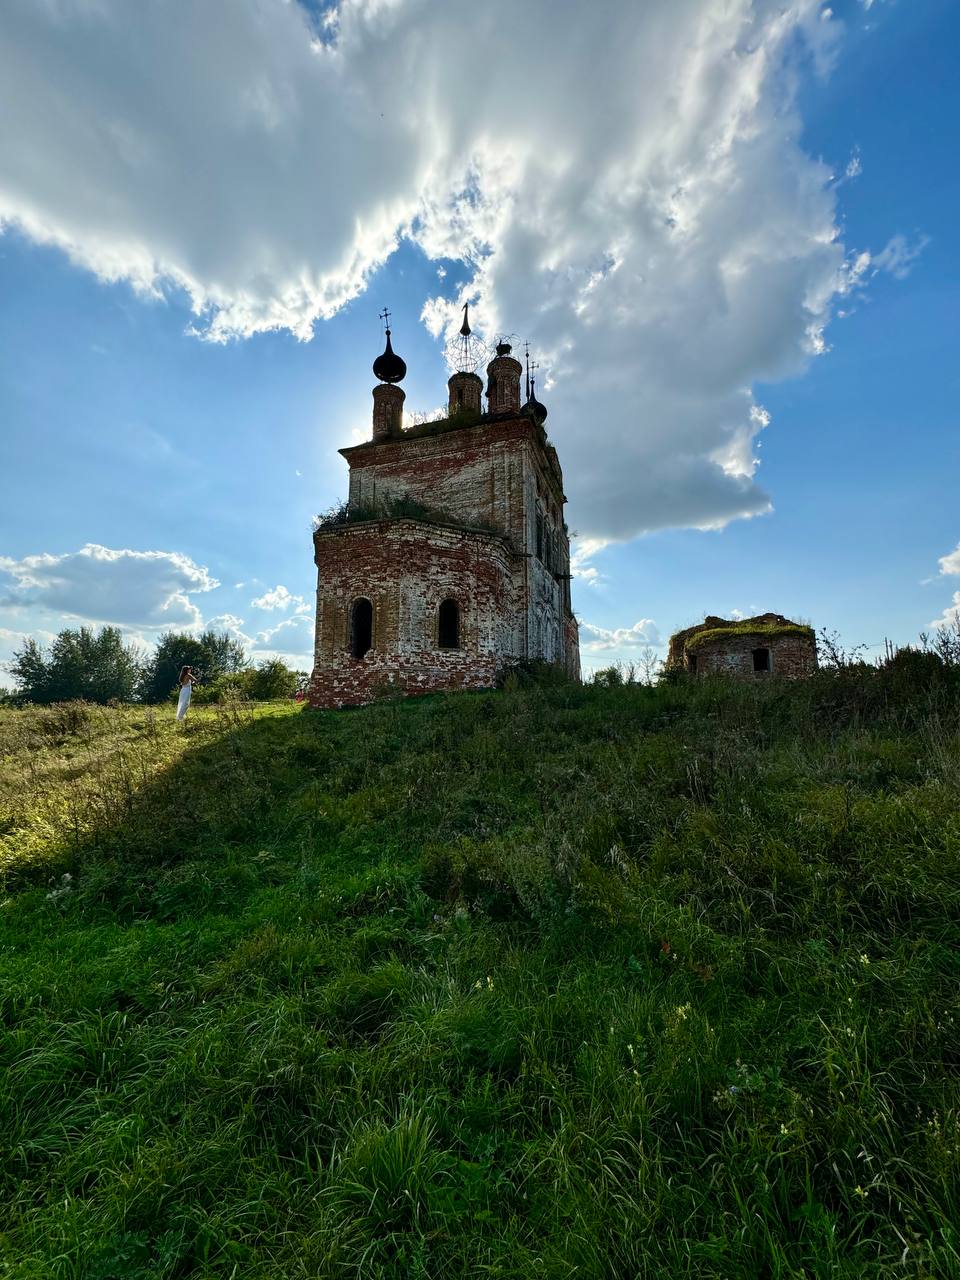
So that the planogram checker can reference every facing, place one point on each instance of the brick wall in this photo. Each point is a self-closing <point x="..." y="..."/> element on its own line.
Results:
<point x="498" y="472"/>
<point x="790" y="657"/>
<point x="406" y="568"/>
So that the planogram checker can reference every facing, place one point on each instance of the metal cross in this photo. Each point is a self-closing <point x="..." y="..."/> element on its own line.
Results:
<point x="385" y="317"/>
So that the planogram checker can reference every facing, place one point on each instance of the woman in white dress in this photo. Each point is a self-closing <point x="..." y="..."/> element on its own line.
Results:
<point x="187" y="680"/>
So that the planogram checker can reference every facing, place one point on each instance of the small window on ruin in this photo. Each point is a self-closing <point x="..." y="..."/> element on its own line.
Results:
<point x="459" y="397"/>
<point x="761" y="659"/>
<point x="692" y="663"/>
<point x="448" y="628"/>
<point x="361" y="628"/>
<point x="539" y="535"/>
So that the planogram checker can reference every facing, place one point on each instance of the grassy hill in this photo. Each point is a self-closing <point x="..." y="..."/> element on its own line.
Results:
<point x="550" y="982"/>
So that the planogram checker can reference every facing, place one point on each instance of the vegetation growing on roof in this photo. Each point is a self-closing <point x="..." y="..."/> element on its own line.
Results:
<point x="738" y="630"/>
<point x="400" y="508"/>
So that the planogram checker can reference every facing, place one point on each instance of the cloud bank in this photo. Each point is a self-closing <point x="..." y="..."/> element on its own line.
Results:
<point x="102" y="585"/>
<point x="625" y="188"/>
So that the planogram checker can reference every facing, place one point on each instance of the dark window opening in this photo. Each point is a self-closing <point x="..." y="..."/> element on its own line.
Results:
<point x="540" y="535"/>
<point x="449" y="625"/>
<point x="459" y="397"/>
<point x="761" y="659"/>
<point x="361" y="628"/>
<point x="692" y="663"/>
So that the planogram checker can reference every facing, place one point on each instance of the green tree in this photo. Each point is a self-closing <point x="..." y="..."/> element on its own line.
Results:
<point x="96" y="666"/>
<point x="212" y="655"/>
<point x="271" y="679"/>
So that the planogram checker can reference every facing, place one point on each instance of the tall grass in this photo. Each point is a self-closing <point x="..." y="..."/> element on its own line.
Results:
<point x="556" y="982"/>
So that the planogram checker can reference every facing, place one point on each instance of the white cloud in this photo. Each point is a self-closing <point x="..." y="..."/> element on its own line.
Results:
<point x="295" y="627"/>
<point x="665" y="243"/>
<point x="581" y="553"/>
<point x="103" y="585"/>
<point x="229" y="623"/>
<point x="594" y="639"/>
<point x="280" y="598"/>
<point x="950" y="563"/>
<point x="290" y="640"/>
<point x="899" y="255"/>
<point x="951" y="614"/>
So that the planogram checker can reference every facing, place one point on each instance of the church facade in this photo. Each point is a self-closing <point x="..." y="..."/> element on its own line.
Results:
<point x="450" y="561"/>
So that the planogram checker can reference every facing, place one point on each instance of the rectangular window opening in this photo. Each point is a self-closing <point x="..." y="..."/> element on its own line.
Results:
<point x="761" y="659"/>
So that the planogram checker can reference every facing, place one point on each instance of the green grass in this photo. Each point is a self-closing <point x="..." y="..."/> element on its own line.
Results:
<point x="559" y="982"/>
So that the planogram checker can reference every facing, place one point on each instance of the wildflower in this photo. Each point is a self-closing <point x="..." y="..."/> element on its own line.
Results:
<point x="864" y="959"/>
<point x="489" y="983"/>
<point x="784" y="1131"/>
<point x="682" y="1012"/>
<point x="860" y="1191"/>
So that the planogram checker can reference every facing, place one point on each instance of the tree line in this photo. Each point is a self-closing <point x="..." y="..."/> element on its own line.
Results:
<point x="101" y="667"/>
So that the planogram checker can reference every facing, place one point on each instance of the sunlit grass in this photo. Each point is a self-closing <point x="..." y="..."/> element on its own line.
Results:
<point x="551" y="982"/>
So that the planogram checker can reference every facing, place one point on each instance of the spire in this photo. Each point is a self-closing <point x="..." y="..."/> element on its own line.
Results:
<point x="465" y="353"/>
<point x="533" y="406"/>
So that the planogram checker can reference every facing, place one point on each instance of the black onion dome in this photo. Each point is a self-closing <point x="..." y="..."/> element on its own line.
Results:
<point x="389" y="367"/>
<point x="536" y="410"/>
<point x="503" y="348"/>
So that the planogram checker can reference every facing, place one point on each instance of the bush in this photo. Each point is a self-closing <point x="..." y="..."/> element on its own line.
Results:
<point x="270" y="679"/>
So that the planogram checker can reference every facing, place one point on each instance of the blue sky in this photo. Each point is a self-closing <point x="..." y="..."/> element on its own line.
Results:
<point x="755" y="408"/>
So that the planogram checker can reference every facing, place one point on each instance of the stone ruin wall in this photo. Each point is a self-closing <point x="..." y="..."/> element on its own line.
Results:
<point x="490" y="473"/>
<point x="406" y="568"/>
<point x="472" y="476"/>
<point x="791" y="657"/>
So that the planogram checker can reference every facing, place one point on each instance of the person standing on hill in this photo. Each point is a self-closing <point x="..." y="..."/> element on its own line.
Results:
<point x="187" y="681"/>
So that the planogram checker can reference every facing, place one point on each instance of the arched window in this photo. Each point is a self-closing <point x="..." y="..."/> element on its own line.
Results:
<point x="448" y="625"/>
<point x="361" y="627"/>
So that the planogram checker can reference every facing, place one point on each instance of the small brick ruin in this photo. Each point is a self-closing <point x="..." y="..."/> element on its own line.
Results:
<point x="748" y="648"/>
<point x="450" y="562"/>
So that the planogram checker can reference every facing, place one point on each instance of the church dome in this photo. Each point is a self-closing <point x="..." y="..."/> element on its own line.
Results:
<point x="536" y="410"/>
<point x="388" y="367"/>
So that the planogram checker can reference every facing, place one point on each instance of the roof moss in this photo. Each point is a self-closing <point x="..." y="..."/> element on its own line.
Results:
<point x="739" y="630"/>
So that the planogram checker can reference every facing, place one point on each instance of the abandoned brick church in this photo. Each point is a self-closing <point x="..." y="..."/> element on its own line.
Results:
<point x="450" y="561"/>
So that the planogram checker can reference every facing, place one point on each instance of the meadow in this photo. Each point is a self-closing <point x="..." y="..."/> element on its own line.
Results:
<point x="554" y="981"/>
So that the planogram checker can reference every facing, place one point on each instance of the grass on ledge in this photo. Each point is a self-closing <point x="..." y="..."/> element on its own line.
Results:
<point x="559" y="982"/>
